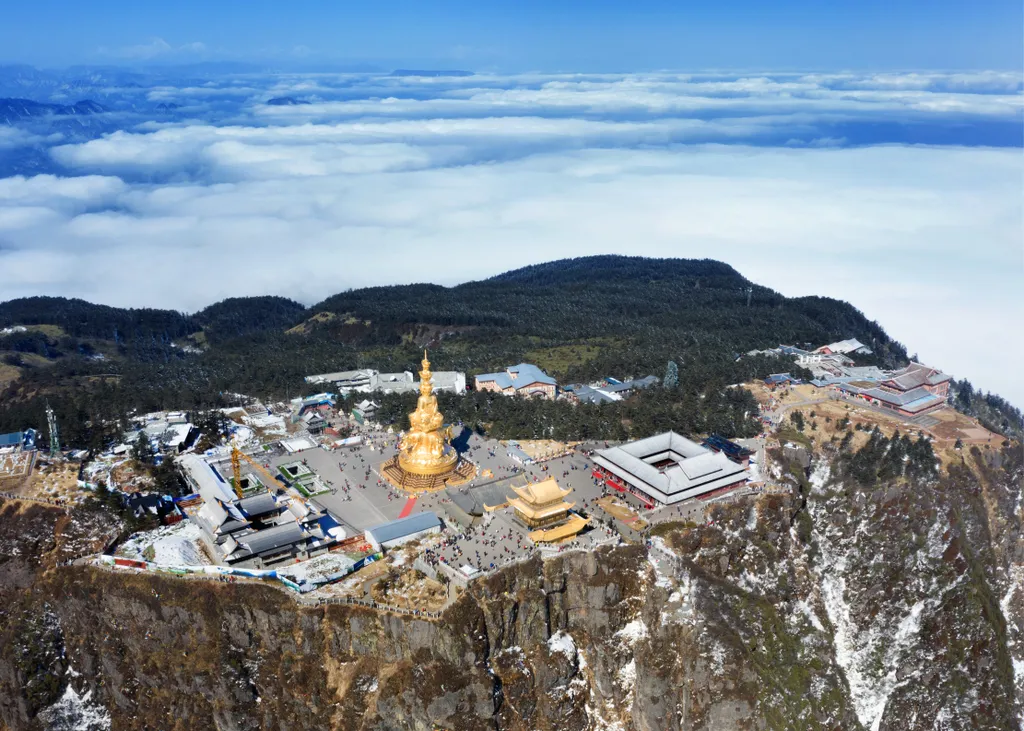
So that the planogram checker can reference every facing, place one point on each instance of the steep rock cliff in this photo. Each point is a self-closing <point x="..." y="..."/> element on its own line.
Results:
<point x="895" y="607"/>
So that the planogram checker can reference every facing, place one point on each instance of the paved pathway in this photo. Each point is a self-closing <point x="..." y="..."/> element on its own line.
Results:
<point x="776" y="416"/>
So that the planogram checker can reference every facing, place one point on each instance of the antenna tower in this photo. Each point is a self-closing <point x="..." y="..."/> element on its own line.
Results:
<point x="51" y="421"/>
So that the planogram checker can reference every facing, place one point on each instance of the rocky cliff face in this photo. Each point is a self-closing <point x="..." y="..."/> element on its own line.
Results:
<point x="897" y="607"/>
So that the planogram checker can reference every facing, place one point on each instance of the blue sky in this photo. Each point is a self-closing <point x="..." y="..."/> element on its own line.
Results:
<point x="531" y="35"/>
<point x="868" y="151"/>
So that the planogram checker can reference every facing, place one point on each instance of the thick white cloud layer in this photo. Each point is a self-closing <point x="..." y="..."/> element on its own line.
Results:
<point x="466" y="184"/>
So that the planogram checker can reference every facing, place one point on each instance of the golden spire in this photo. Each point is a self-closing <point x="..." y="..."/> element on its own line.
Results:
<point x="426" y="377"/>
<point x="425" y="449"/>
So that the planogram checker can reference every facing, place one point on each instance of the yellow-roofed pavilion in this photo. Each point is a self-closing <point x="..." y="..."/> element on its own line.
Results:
<point x="542" y="507"/>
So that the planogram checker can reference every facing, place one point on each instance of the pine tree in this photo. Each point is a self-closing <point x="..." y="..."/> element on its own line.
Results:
<point x="142" y="450"/>
<point x="671" y="375"/>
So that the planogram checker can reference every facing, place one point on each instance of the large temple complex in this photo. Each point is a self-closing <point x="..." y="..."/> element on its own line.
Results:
<point x="426" y="460"/>
<point x="541" y="506"/>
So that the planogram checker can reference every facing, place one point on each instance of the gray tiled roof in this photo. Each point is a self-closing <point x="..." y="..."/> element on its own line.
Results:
<point x="915" y="375"/>
<point x="259" y="504"/>
<point x="913" y="400"/>
<point x="695" y="469"/>
<point x="271" y="538"/>
<point x="466" y="502"/>
<point x="404" y="526"/>
<point x="918" y="397"/>
<point x="845" y="346"/>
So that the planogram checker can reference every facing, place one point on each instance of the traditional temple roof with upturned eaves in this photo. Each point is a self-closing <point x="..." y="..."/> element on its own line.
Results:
<point x="539" y="500"/>
<point x="542" y="493"/>
<point x="562" y="532"/>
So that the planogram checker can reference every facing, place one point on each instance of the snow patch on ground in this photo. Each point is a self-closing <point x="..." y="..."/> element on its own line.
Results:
<point x="74" y="712"/>
<point x="749" y="582"/>
<point x="316" y="568"/>
<point x="633" y="632"/>
<point x="857" y="648"/>
<point x="935" y="544"/>
<point x="241" y="435"/>
<point x="172" y="545"/>
<point x="867" y="701"/>
<point x="659" y="543"/>
<point x="268" y="423"/>
<point x="627" y="674"/>
<point x="718" y="657"/>
<point x="662" y="578"/>
<point x="805" y="609"/>
<point x="683" y="597"/>
<point x="1010" y="605"/>
<point x="819" y="475"/>
<point x="562" y="642"/>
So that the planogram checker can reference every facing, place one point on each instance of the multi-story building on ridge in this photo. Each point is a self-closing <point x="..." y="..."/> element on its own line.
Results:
<point x="519" y="380"/>
<point x="917" y="375"/>
<point x="911" y="391"/>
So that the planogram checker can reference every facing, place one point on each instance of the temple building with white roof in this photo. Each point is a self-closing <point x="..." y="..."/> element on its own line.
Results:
<point x="668" y="469"/>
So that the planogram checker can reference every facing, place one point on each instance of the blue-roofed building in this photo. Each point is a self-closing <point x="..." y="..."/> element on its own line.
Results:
<point x="403" y="530"/>
<point x="738" y="454"/>
<point x="524" y="379"/>
<point x="907" y="403"/>
<point x="320" y="402"/>
<point x="780" y="379"/>
<point x="12" y="440"/>
<point x="589" y="395"/>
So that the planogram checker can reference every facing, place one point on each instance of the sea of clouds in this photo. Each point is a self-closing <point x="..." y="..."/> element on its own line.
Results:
<point x="900" y="193"/>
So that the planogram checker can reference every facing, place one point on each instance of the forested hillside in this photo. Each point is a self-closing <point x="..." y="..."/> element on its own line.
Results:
<point x="579" y="319"/>
<point x="239" y="316"/>
<point x="683" y="304"/>
<point x="83" y="319"/>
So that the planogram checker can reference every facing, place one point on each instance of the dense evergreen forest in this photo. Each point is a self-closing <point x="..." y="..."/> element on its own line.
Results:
<point x="579" y="319"/>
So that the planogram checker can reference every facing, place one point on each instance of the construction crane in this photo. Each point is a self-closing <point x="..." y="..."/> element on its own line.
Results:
<point x="236" y="469"/>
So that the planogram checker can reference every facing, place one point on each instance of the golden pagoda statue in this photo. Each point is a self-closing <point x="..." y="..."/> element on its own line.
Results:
<point x="541" y="506"/>
<point x="426" y="459"/>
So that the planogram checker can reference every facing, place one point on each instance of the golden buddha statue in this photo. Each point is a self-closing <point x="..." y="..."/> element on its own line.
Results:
<point x="426" y="447"/>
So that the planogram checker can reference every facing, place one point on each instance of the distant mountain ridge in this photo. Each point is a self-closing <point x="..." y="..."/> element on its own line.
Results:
<point x="285" y="101"/>
<point x="13" y="110"/>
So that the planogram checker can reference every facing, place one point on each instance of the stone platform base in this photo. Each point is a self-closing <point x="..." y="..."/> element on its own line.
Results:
<point x="462" y="471"/>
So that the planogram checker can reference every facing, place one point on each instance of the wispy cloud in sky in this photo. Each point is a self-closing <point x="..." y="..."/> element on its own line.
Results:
<point x="786" y="177"/>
